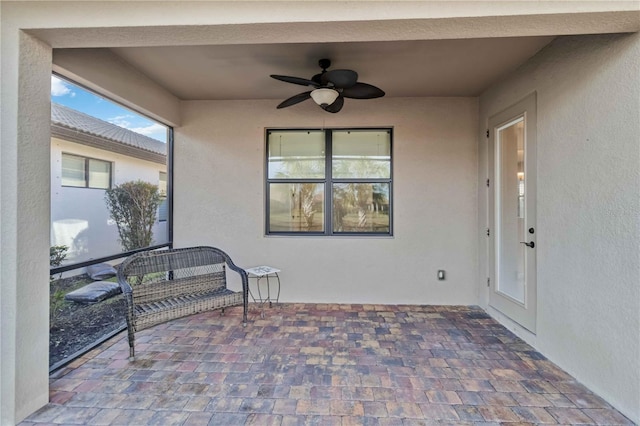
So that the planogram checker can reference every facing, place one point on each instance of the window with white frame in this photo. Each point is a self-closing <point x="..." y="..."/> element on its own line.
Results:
<point x="83" y="172"/>
<point x="329" y="182"/>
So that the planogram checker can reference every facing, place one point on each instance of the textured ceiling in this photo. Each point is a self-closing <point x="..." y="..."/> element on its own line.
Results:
<point x="462" y="67"/>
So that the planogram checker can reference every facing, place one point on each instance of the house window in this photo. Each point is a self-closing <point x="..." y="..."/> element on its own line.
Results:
<point x="329" y="182"/>
<point x="85" y="172"/>
<point x="163" y="208"/>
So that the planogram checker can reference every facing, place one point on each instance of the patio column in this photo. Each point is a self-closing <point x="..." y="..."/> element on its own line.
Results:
<point x="24" y="224"/>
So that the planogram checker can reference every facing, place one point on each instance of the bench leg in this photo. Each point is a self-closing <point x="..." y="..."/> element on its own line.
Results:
<point x="131" y="341"/>
<point x="222" y="312"/>
<point x="244" y="313"/>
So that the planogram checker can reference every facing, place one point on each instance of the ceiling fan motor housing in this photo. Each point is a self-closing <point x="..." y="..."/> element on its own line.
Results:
<point x="324" y="63"/>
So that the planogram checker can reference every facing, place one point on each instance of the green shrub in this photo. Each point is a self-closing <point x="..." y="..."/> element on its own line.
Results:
<point x="56" y="303"/>
<point x="134" y="206"/>
<point x="57" y="254"/>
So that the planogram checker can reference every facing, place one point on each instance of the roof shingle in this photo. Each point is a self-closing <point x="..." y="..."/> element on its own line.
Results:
<point x="79" y="121"/>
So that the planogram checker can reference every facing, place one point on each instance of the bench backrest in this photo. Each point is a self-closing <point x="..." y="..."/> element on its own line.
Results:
<point x="159" y="275"/>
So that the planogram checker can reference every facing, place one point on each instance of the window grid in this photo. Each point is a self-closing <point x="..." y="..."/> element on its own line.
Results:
<point x="328" y="185"/>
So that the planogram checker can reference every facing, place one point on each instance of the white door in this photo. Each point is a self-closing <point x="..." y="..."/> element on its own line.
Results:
<point x="512" y="212"/>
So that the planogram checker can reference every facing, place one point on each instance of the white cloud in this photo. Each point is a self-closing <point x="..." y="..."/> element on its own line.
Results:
<point x="154" y="128"/>
<point x="60" y="88"/>
<point x="122" y="121"/>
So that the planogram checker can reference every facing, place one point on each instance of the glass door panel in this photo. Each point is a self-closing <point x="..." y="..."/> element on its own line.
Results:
<point x="511" y="270"/>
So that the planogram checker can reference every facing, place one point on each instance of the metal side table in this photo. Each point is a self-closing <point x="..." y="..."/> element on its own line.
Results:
<point x="262" y="275"/>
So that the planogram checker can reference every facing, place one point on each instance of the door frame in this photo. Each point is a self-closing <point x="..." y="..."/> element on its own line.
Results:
<point x="523" y="314"/>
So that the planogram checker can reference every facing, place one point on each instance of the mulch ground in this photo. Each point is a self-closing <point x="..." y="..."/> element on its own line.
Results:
<point x="75" y="326"/>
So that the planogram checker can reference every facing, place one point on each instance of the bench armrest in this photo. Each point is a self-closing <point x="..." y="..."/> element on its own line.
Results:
<point x="124" y="284"/>
<point x="245" y="282"/>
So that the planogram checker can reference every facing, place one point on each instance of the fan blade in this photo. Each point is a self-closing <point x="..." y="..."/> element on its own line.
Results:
<point x="295" y="80"/>
<point x="335" y="106"/>
<point x="362" y="91"/>
<point x="294" y="100"/>
<point x="340" y="78"/>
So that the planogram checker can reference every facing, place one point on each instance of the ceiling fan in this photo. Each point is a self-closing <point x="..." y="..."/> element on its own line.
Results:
<point x="329" y="88"/>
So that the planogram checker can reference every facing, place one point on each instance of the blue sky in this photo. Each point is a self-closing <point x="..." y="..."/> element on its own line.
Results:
<point x="72" y="96"/>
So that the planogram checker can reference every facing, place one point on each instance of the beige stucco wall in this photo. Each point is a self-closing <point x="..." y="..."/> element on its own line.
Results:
<point x="24" y="226"/>
<point x="588" y="204"/>
<point x="219" y="200"/>
<point x="24" y="119"/>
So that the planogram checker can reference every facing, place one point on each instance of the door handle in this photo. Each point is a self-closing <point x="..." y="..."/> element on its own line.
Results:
<point x="531" y="244"/>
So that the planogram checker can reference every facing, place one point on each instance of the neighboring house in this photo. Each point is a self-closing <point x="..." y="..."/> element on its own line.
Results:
<point x="584" y="88"/>
<point x="88" y="156"/>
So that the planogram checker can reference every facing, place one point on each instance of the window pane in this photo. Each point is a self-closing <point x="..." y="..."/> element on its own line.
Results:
<point x="163" y="210"/>
<point x="162" y="183"/>
<point x="99" y="174"/>
<point x="297" y="207"/>
<point x="72" y="171"/>
<point x="361" y="154"/>
<point x="361" y="207"/>
<point x="296" y="155"/>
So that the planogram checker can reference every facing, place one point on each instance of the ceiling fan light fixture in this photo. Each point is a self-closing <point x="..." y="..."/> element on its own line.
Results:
<point x="324" y="96"/>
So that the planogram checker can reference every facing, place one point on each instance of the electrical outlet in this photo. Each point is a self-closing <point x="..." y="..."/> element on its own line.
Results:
<point x="441" y="275"/>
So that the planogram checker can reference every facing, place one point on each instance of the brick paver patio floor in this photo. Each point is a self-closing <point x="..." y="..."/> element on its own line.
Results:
<point x="322" y="364"/>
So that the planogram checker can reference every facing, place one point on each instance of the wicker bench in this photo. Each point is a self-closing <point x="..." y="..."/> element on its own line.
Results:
<point x="162" y="285"/>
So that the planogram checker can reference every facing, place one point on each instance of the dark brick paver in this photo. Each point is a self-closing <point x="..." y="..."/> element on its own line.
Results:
<point x="322" y="364"/>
